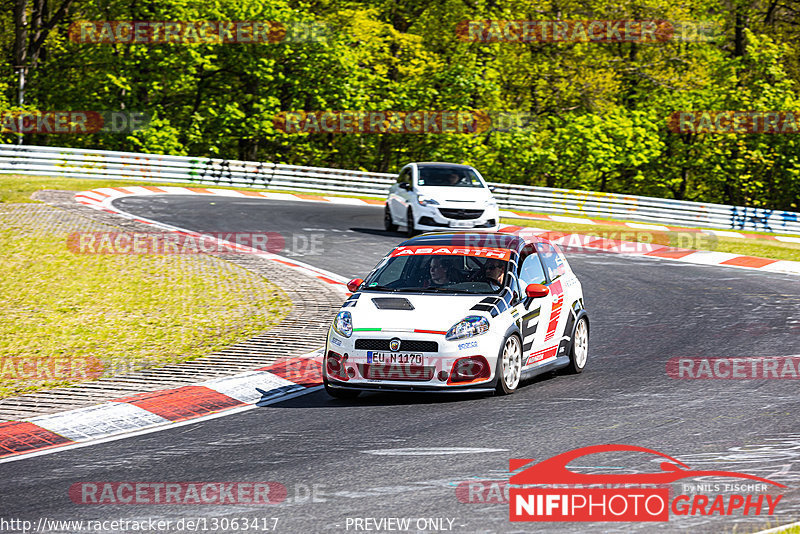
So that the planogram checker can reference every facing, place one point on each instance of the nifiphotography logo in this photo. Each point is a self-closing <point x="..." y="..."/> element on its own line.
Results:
<point x="537" y="492"/>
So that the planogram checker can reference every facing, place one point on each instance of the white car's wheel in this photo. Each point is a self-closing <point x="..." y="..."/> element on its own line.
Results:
<point x="388" y="223"/>
<point x="509" y="366"/>
<point x="580" y="346"/>
<point x="410" y="230"/>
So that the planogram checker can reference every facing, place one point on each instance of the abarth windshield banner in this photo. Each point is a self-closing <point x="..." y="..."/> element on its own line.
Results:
<point x="497" y="253"/>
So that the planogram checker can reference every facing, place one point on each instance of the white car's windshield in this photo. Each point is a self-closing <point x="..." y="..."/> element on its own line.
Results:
<point x="447" y="176"/>
<point x="438" y="274"/>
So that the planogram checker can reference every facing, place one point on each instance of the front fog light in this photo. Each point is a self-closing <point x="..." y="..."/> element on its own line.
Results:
<point x="472" y="325"/>
<point x="343" y="324"/>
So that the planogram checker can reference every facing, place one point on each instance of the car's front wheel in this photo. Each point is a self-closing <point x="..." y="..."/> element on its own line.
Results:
<point x="579" y="353"/>
<point x="388" y="223"/>
<point x="509" y="365"/>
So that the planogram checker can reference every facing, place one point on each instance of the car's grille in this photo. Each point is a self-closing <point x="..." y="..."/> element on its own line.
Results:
<point x="402" y="373"/>
<point x="451" y="213"/>
<point x="405" y="345"/>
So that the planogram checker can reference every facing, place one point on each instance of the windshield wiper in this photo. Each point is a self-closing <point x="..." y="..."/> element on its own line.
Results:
<point x="433" y="290"/>
<point x="380" y="288"/>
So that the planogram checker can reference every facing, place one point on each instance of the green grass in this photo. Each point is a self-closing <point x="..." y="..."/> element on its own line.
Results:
<point x="108" y="314"/>
<point x="749" y="247"/>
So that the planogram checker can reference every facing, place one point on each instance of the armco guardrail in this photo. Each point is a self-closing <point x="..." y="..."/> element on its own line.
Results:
<point x="102" y="164"/>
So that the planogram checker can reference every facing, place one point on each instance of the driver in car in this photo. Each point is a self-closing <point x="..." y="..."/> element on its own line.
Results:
<point x="494" y="272"/>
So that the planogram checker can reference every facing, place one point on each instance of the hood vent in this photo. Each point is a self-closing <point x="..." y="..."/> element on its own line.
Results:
<point x="392" y="304"/>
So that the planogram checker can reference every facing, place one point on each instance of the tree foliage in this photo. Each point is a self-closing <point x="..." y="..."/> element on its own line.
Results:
<point x="589" y="115"/>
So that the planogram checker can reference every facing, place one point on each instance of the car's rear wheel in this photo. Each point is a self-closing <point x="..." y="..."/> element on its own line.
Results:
<point x="509" y="366"/>
<point x="388" y="223"/>
<point x="410" y="230"/>
<point x="579" y="353"/>
<point x="338" y="393"/>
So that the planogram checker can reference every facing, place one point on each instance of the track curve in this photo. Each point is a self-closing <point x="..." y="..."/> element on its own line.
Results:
<point x="644" y="312"/>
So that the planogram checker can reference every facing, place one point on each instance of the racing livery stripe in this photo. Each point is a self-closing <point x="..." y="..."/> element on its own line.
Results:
<point x="530" y="323"/>
<point x="482" y="307"/>
<point x="366" y="329"/>
<point x="429" y="331"/>
<point x="544" y="354"/>
<point x="557" y="291"/>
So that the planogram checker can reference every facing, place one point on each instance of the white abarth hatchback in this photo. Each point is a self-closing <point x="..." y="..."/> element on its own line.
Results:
<point x="455" y="312"/>
<point x="440" y="196"/>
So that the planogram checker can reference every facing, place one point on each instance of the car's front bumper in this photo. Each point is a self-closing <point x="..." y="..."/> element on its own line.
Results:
<point x="360" y="369"/>
<point x="434" y="218"/>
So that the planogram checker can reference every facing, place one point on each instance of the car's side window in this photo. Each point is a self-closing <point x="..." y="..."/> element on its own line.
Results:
<point x="531" y="271"/>
<point x="405" y="176"/>
<point x="552" y="260"/>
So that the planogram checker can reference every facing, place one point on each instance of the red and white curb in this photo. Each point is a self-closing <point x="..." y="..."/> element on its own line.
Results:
<point x="646" y="226"/>
<point x="158" y="410"/>
<point x="101" y="199"/>
<point x="652" y="250"/>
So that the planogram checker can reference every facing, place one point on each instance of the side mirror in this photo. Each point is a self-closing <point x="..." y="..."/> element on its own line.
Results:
<point x="492" y="188"/>
<point x="405" y="185"/>
<point x="535" y="291"/>
<point x="355" y="283"/>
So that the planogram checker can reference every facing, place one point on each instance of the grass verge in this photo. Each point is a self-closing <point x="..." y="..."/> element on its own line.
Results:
<point x="68" y="318"/>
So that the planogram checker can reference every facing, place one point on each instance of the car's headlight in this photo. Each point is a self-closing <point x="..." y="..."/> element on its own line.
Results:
<point x="343" y="324"/>
<point x="473" y="325"/>
<point x="426" y="201"/>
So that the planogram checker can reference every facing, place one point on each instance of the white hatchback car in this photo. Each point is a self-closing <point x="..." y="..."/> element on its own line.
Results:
<point x="440" y="196"/>
<point x="458" y="312"/>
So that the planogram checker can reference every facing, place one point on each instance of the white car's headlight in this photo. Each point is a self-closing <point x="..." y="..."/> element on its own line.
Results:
<point x="343" y="324"/>
<point x="472" y="325"/>
<point x="426" y="201"/>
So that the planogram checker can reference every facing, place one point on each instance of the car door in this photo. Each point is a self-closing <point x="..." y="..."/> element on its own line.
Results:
<point x="554" y="269"/>
<point x="535" y="314"/>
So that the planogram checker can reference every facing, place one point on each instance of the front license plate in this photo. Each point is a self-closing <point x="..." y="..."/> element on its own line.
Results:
<point x="394" y="357"/>
<point x="461" y="224"/>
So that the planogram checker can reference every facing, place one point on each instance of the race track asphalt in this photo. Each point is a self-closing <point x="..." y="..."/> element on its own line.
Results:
<point x="643" y="312"/>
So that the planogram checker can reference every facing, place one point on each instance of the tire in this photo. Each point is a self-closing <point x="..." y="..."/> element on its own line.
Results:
<point x="388" y="223"/>
<point x="509" y="365"/>
<point x="410" y="230"/>
<point x="343" y="394"/>
<point x="579" y="348"/>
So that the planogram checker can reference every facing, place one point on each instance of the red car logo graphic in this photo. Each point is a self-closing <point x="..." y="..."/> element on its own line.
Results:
<point x="554" y="470"/>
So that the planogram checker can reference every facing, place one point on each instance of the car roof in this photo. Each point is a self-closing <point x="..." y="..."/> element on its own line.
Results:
<point x="482" y="239"/>
<point x="441" y="165"/>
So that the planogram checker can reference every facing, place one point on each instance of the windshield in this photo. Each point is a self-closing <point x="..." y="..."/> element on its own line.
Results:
<point x="439" y="273"/>
<point x="448" y="177"/>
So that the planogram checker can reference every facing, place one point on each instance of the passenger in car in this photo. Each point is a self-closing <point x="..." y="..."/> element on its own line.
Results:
<point x="442" y="272"/>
